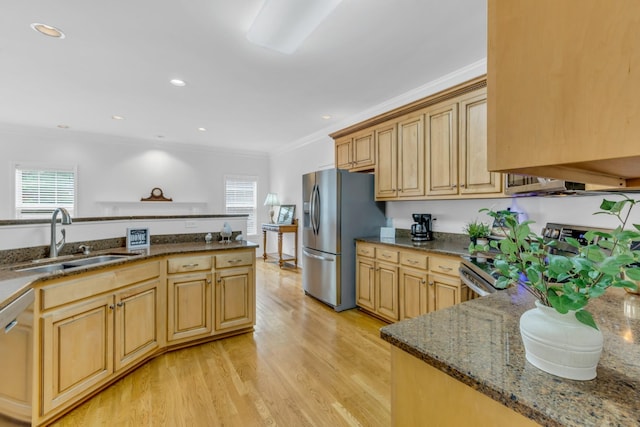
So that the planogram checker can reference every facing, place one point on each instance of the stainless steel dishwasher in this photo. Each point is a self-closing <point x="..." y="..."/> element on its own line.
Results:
<point x="16" y="356"/>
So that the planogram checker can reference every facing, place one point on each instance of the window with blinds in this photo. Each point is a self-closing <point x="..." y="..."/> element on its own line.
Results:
<point x="40" y="190"/>
<point x="240" y="197"/>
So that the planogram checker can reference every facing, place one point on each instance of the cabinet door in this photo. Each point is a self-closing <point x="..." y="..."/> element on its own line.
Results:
<point x="443" y="292"/>
<point x="136" y="329"/>
<point x="365" y="283"/>
<point x="475" y="178"/>
<point x="386" y="176"/>
<point x="189" y="302"/>
<point x="363" y="151"/>
<point x="387" y="291"/>
<point x="413" y="293"/>
<point x="77" y="343"/>
<point x="235" y="296"/>
<point x="411" y="157"/>
<point x="442" y="150"/>
<point x="343" y="153"/>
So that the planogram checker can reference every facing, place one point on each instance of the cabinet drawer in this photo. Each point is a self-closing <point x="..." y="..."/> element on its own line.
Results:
<point x="414" y="259"/>
<point x="233" y="259"/>
<point x="88" y="285"/>
<point x="388" y="255"/>
<point x="186" y="264"/>
<point x="366" y="250"/>
<point x="444" y="265"/>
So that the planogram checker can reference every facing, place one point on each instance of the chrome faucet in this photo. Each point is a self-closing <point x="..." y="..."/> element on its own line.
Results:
<point x="66" y="219"/>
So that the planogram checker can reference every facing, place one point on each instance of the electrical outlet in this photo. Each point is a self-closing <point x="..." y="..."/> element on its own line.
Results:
<point x="190" y="224"/>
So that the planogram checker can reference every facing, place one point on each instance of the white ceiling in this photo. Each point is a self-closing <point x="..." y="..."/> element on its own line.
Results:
<point x="119" y="55"/>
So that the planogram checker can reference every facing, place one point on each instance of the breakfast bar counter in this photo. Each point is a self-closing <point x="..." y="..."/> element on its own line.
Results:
<point x="476" y="346"/>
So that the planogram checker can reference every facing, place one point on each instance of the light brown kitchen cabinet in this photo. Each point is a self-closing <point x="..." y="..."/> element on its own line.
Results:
<point x="442" y="149"/>
<point x="234" y="291"/>
<point x="365" y="281"/>
<point x="356" y="153"/>
<point x="77" y="353"/>
<point x="394" y="283"/>
<point x="136" y="323"/>
<point x="456" y="135"/>
<point x="400" y="151"/>
<point x="473" y="173"/>
<point x="413" y="292"/>
<point x="189" y="306"/>
<point x="85" y="341"/>
<point x="386" y="173"/>
<point x="411" y="156"/>
<point x="377" y="281"/>
<point x="445" y="288"/>
<point x="563" y="103"/>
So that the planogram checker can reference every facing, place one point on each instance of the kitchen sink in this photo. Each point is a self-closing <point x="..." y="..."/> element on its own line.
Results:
<point x="83" y="262"/>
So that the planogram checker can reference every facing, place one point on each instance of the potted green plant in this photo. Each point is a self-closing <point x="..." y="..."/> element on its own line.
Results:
<point x="564" y="285"/>
<point x="477" y="230"/>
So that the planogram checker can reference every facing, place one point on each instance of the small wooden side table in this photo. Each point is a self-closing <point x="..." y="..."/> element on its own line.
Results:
<point x="281" y="229"/>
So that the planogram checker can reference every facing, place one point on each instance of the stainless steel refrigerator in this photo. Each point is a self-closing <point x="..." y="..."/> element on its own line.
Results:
<point x="338" y="206"/>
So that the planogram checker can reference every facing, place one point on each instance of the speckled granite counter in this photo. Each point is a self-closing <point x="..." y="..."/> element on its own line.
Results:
<point x="13" y="283"/>
<point x="478" y="343"/>
<point x="444" y="243"/>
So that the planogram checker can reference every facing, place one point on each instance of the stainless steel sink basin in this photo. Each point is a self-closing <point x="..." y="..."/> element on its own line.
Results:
<point x="83" y="262"/>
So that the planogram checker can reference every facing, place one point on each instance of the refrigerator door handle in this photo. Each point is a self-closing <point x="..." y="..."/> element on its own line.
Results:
<point x="310" y="255"/>
<point x="316" y="209"/>
<point x="312" y="209"/>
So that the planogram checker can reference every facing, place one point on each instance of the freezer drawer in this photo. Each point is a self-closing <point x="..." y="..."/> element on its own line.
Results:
<point x="321" y="276"/>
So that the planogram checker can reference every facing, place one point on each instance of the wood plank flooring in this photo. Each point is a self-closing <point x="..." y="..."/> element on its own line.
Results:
<point x="304" y="365"/>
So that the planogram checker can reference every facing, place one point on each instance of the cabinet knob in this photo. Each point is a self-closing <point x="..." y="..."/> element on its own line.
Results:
<point x="120" y="304"/>
<point x="431" y="283"/>
<point x="423" y="281"/>
<point x="111" y="306"/>
<point x="208" y="281"/>
<point x="461" y="185"/>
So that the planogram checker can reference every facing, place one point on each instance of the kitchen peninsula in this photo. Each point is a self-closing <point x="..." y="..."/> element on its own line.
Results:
<point x="467" y="362"/>
<point x="93" y="325"/>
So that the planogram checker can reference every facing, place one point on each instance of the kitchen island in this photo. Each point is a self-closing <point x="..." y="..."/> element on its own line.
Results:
<point x="92" y="324"/>
<point x="467" y="363"/>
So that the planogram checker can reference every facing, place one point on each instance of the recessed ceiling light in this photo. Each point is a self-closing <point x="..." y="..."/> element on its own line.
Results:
<point x="178" y="82"/>
<point x="114" y="117"/>
<point x="48" y="30"/>
<point x="202" y="129"/>
<point x="326" y="117"/>
<point x="160" y="136"/>
<point x="63" y="126"/>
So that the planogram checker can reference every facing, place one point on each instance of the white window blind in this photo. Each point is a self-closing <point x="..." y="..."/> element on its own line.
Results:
<point x="41" y="189"/>
<point x="240" y="197"/>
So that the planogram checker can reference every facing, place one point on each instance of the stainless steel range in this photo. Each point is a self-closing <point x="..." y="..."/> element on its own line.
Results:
<point x="481" y="276"/>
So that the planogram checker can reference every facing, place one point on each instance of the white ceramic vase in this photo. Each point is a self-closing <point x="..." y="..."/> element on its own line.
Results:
<point x="560" y="344"/>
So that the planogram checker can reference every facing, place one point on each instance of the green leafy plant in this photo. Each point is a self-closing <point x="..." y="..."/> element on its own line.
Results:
<point x="476" y="230"/>
<point x="567" y="283"/>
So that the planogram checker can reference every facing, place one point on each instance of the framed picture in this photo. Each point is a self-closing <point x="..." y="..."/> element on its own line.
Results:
<point x="138" y="238"/>
<point x="285" y="214"/>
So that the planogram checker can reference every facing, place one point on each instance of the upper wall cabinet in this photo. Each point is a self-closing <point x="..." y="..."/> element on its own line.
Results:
<point x="563" y="84"/>
<point x="436" y="149"/>
<point x="356" y="153"/>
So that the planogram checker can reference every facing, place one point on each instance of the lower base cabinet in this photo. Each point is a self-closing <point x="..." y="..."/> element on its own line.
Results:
<point x="235" y="299"/>
<point x="93" y="327"/>
<point x="408" y="283"/>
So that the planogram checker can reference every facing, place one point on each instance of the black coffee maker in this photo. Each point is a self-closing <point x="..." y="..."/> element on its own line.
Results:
<point x="421" y="230"/>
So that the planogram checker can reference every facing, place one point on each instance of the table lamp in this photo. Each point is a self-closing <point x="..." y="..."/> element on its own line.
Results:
<point x="271" y="200"/>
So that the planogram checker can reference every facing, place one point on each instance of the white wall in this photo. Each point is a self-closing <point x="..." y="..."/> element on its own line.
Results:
<point x="124" y="170"/>
<point x="452" y="215"/>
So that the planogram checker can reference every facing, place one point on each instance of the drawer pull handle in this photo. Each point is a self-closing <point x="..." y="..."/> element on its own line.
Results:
<point x="442" y="267"/>
<point x="234" y="261"/>
<point x="190" y="265"/>
<point x="412" y="261"/>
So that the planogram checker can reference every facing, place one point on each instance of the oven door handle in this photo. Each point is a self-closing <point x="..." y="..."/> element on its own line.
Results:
<point x="474" y="287"/>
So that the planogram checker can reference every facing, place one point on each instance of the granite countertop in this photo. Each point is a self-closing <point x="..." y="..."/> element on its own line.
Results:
<point x="444" y="243"/>
<point x="14" y="283"/>
<point x="478" y="343"/>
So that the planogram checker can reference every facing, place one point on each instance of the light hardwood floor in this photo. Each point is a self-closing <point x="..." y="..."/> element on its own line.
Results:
<point x="304" y="365"/>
